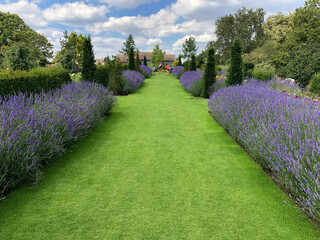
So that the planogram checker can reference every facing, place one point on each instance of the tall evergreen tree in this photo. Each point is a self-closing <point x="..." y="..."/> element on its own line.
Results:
<point x="145" y="61"/>
<point x="193" y="66"/>
<point x="88" y="62"/>
<point x="209" y="76"/>
<point x="179" y="59"/>
<point x="132" y="65"/>
<point x="137" y="61"/>
<point x="235" y="75"/>
<point x="129" y="43"/>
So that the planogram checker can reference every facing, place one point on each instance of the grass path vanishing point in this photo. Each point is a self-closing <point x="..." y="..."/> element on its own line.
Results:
<point x="158" y="168"/>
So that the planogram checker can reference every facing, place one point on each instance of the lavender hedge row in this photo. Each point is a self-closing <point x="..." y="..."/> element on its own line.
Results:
<point x="133" y="79"/>
<point x="192" y="81"/>
<point x="37" y="128"/>
<point x="177" y="71"/>
<point x="145" y="70"/>
<point x="281" y="131"/>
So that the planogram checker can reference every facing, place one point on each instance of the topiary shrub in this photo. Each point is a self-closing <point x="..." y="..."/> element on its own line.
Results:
<point x="263" y="75"/>
<point x="235" y="75"/>
<point x="145" y="61"/>
<point x="88" y="62"/>
<point x="34" y="81"/>
<point x="132" y="65"/>
<point x="101" y="75"/>
<point x="209" y="76"/>
<point x="193" y="65"/>
<point x="315" y="85"/>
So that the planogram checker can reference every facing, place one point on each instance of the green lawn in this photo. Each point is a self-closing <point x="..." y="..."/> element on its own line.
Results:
<point x="158" y="168"/>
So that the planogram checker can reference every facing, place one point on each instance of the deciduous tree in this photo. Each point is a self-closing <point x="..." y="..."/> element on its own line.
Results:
<point x="189" y="47"/>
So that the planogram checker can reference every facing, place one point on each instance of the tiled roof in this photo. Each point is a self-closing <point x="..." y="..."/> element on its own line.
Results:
<point x="167" y="57"/>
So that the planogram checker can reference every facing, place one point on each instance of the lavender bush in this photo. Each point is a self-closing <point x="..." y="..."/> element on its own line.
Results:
<point x="134" y="80"/>
<point x="192" y="81"/>
<point x="282" y="132"/>
<point x="36" y="128"/>
<point x="177" y="71"/>
<point x="145" y="70"/>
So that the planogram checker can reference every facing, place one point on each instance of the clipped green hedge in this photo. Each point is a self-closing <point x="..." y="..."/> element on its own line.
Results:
<point x="101" y="75"/>
<point x="315" y="85"/>
<point x="263" y="75"/>
<point x="33" y="81"/>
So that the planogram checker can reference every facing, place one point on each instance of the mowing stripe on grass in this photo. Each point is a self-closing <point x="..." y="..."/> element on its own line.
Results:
<point x="158" y="168"/>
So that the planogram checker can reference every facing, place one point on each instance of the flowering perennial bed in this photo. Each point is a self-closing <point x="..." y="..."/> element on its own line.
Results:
<point x="36" y="128"/>
<point x="134" y="80"/>
<point x="192" y="81"/>
<point x="146" y="71"/>
<point x="281" y="131"/>
<point x="177" y="71"/>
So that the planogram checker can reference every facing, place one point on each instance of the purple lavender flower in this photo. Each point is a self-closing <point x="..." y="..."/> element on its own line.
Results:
<point x="280" y="130"/>
<point x="192" y="81"/>
<point x="146" y="71"/>
<point x="35" y="128"/>
<point x="177" y="71"/>
<point x="134" y="80"/>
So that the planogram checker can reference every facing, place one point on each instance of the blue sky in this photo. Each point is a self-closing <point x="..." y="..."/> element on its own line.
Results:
<point x="109" y="22"/>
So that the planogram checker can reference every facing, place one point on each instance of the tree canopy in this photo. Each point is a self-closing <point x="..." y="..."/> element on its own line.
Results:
<point x="127" y="44"/>
<point x="14" y="35"/>
<point x="246" y="25"/>
<point x="189" y="47"/>
<point x="157" y="55"/>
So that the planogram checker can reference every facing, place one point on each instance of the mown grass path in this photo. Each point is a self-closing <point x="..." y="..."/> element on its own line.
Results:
<point x="158" y="168"/>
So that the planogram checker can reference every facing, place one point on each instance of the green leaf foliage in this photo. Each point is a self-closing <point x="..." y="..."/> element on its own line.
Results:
<point x="246" y="25"/>
<point x="189" y="47"/>
<point x="137" y="62"/>
<point x="157" y="55"/>
<point x="15" y="36"/>
<point x="88" y="62"/>
<point x="132" y="65"/>
<point x="129" y="43"/>
<point x="179" y="60"/>
<point x="193" y="65"/>
<point x="315" y="86"/>
<point x="101" y="75"/>
<point x="235" y="75"/>
<point x="209" y="76"/>
<point x="247" y="66"/>
<point x="33" y="81"/>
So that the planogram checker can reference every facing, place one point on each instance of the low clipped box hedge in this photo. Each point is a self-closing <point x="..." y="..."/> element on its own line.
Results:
<point x="101" y="75"/>
<point x="263" y="75"/>
<point x="34" y="81"/>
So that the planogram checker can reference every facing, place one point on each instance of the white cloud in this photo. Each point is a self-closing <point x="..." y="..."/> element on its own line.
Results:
<point x="75" y="14"/>
<point x="28" y="11"/>
<point x="201" y="42"/>
<point x="154" y="41"/>
<point x="127" y="3"/>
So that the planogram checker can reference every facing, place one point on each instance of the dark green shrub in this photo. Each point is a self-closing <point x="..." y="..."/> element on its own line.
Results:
<point x="247" y="66"/>
<point x="145" y="61"/>
<point x="137" y="62"/>
<point x="263" y="75"/>
<point x="179" y="63"/>
<point x="315" y="85"/>
<point x="235" y="75"/>
<point x="186" y="66"/>
<point x="116" y="82"/>
<point x="209" y="76"/>
<point x="101" y="75"/>
<point x="34" y="81"/>
<point x="88" y="62"/>
<point x="132" y="65"/>
<point x="193" y="65"/>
